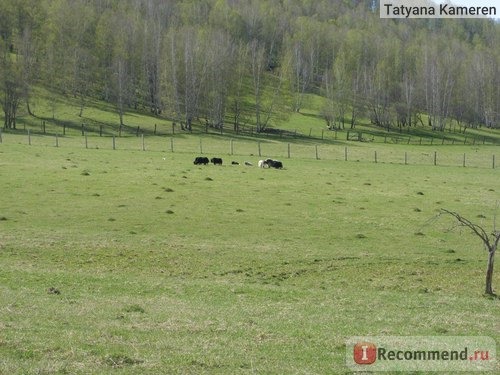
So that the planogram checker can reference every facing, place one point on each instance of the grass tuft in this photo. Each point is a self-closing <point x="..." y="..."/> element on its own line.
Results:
<point x="53" y="290"/>
<point x="134" y="308"/>
<point x="121" y="360"/>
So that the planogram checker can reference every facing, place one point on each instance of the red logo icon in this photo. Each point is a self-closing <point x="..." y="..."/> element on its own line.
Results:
<point x="365" y="353"/>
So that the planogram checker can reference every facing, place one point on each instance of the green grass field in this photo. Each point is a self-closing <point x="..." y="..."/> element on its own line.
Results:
<point x="140" y="262"/>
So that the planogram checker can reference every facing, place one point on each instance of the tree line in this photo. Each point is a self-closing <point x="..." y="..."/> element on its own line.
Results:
<point x="232" y="62"/>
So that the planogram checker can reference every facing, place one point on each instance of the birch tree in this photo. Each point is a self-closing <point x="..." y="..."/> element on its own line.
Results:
<point x="438" y="77"/>
<point x="11" y="89"/>
<point x="303" y="54"/>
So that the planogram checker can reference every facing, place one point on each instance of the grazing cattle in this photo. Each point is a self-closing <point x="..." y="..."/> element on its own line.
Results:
<point x="274" y="163"/>
<point x="200" y="160"/>
<point x="235" y="163"/>
<point x="263" y="164"/>
<point x="216" y="161"/>
<point x="248" y="163"/>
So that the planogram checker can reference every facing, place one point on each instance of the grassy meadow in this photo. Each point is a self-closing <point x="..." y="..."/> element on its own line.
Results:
<point x="125" y="261"/>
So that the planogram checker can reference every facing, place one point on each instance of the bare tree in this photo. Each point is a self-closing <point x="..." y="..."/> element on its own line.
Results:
<point x="195" y="74"/>
<point x="303" y="48"/>
<point x="440" y="67"/>
<point x="257" y="64"/>
<point x="120" y="81"/>
<point x="218" y="56"/>
<point x="152" y="56"/>
<point x="11" y="88"/>
<point x="237" y="89"/>
<point x="490" y="242"/>
<point x="267" y="86"/>
<point x="303" y="62"/>
<point x="28" y="65"/>
<point x="328" y="110"/>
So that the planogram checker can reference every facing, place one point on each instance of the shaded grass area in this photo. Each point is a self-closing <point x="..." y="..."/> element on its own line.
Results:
<point x="59" y="114"/>
<point x="161" y="266"/>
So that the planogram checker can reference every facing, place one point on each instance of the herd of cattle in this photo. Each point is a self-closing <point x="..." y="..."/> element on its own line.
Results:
<point x="267" y="163"/>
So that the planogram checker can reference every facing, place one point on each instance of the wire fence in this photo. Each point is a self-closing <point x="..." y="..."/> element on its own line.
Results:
<point x="415" y="135"/>
<point x="408" y="154"/>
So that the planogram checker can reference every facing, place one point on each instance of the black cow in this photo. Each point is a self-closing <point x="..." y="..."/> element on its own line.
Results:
<point x="216" y="161"/>
<point x="200" y="160"/>
<point x="274" y="163"/>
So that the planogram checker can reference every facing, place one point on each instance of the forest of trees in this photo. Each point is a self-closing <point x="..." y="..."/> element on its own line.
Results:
<point x="233" y="62"/>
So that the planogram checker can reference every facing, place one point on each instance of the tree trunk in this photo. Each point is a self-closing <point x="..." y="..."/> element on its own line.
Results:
<point x="489" y="272"/>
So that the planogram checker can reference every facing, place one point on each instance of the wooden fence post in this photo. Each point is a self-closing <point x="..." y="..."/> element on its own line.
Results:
<point x="29" y="137"/>
<point x="464" y="161"/>
<point x="493" y="162"/>
<point x="172" y="144"/>
<point x="143" y="144"/>
<point x="57" y="140"/>
<point x="258" y="145"/>
<point x="289" y="151"/>
<point x="114" y="142"/>
<point x="231" y="146"/>
<point x="375" y="155"/>
<point x="435" y="157"/>
<point x="317" y="156"/>
<point x="86" y="141"/>
<point x="345" y="153"/>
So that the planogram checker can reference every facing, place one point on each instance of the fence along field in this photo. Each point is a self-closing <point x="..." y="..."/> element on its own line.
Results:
<point x="478" y="156"/>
